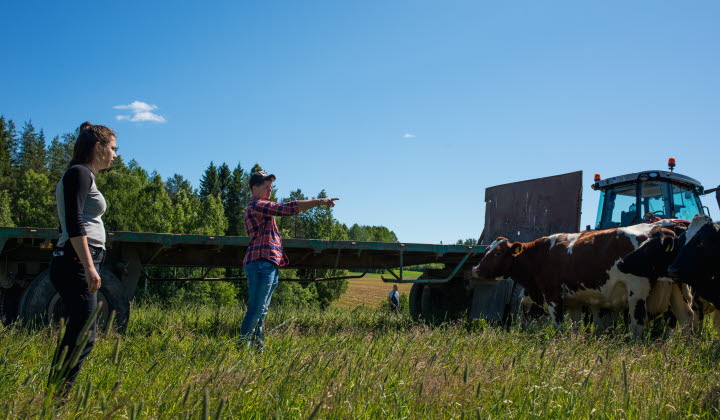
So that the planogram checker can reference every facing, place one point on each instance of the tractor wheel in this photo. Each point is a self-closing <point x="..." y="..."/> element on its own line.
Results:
<point x="416" y="300"/>
<point x="9" y="300"/>
<point x="42" y="304"/>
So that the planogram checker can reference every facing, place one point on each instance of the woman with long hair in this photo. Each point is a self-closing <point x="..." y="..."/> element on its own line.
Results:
<point x="80" y="252"/>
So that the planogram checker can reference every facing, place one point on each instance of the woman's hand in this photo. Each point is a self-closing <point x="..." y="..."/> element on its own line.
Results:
<point x="93" y="279"/>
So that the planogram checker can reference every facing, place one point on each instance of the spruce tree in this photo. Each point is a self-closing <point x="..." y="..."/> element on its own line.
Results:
<point x="209" y="184"/>
<point x="8" y="153"/>
<point x="58" y="157"/>
<point x="32" y="150"/>
<point x="238" y="196"/>
<point x="175" y="184"/>
<point x="224" y="179"/>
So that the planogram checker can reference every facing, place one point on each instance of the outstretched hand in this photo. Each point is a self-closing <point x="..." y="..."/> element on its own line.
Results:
<point x="327" y="202"/>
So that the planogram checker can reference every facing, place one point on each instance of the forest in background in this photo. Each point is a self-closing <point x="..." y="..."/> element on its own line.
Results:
<point x="142" y="201"/>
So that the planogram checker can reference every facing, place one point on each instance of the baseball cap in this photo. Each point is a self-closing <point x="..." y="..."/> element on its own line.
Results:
<point x="259" y="177"/>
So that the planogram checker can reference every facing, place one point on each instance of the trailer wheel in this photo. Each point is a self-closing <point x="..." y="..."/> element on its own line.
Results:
<point x="435" y="305"/>
<point x="416" y="300"/>
<point x="41" y="303"/>
<point x="9" y="299"/>
<point x="514" y="310"/>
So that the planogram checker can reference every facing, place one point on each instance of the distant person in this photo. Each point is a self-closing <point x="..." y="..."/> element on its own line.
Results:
<point x="264" y="255"/>
<point x="394" y="298"/>
<point x="80" y="252"/>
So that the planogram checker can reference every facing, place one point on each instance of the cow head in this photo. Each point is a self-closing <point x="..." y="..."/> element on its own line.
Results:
<point x="653" y="257"/>
<point x="498" y="260"/>
<point x="698" y="260"/>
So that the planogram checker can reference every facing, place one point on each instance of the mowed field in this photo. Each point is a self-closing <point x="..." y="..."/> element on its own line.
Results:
<point x="371" y="291"/>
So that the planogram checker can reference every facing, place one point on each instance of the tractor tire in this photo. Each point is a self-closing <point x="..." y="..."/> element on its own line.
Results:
<point x="42" y="304"/>
<point x="9" y="302"/>
<point x="416" y="300"/>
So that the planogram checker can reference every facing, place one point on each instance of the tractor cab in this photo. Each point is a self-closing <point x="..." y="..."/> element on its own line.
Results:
<point x="647" y="197"/>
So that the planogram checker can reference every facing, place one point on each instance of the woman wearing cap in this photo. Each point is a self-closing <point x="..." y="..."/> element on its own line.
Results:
<point x="80" y="251"/>
<point x="265" y="255"/>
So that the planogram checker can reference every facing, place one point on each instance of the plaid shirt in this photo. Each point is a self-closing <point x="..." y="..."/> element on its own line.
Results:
<point x="265" y="241"/>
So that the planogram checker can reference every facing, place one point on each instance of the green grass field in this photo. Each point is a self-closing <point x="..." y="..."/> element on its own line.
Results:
<point x="362" y="363"/>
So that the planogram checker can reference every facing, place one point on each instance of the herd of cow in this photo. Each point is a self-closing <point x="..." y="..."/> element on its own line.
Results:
<point x="645" y="269"/>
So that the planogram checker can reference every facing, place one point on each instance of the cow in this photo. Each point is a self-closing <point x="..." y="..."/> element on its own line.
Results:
<point x="652" y="260"/>
<point x="698" y="261"/>
<point x="574" y="270"/>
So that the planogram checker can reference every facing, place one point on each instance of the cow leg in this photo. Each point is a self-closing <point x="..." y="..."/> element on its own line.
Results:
<point x="715" y="316"/>
<point x="575" y="316"/>
<point x="638" y="316"/>
<point x="682" y="308"/>
<point x="557" y="313"/>
<point x="709" y="309"/>
<point x="603" y="318"/>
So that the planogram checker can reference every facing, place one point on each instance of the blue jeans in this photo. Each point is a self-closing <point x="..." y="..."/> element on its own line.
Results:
<point x="262" y="278"/>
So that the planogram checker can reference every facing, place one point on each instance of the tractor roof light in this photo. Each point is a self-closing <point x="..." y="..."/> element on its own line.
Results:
<point x="671" y="163"/>
<point x="597" y="178"/>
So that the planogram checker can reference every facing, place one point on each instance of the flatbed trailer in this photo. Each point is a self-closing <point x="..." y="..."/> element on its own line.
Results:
<point x="26" y="291"/>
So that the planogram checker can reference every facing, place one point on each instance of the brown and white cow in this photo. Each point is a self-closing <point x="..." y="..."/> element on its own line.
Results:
<point x="567" y="271"/>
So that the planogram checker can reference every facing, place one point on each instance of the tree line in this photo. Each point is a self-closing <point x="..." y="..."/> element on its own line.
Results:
<point x="141" y="201"/>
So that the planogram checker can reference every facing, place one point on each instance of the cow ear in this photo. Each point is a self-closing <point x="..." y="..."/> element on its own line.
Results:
<point x="516" y="248"/>
<point x="668" y="244"/>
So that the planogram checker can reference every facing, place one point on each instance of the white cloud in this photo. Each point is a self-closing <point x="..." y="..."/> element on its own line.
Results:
<point x="141" y="111"/>
<point x="408" y="136"/>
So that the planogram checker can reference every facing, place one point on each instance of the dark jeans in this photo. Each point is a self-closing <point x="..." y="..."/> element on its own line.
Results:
<point x="68" y="276"/>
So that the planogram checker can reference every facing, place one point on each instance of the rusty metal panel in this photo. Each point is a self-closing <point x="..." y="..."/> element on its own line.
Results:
<point x="526" y="210"/>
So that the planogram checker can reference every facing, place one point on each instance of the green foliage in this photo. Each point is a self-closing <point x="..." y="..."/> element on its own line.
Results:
<point x="8" y="153"/>
<point x="212" y="217"/>
<point x="295" y="295"/>
<point x="33" y="205"/>
<point x="224" y="179"/>
<point x="467" y="242"/>
<point x="32" y="152"/>
<point x="371" y="233"/>
<point x="210" y="292"/>
<point x="58" y="155"/>
<point x="210" y="183"/>
<point x="5" y="212"/>
<point x="238" y="195"/>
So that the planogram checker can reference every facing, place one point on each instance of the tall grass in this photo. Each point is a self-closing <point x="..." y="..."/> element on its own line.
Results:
<point x="185" y="362"/>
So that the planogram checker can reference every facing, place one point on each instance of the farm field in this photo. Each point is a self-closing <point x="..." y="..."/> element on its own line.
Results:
<point x="371" y="291"/>
<point x="183" y="362"/>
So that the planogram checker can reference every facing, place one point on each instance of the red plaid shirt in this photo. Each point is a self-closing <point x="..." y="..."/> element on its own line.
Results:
<point x="265" y="241"/>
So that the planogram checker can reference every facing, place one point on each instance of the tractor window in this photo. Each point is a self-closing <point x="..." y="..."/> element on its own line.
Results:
<point x="617" y="207"/>
<point x="654" y="202"/>
<point x="685" y="202"/>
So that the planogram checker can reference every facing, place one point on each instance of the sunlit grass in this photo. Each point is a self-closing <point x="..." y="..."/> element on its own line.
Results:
<point x="367" y="363"/>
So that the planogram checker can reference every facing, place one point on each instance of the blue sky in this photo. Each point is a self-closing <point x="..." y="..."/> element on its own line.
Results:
<point x="406" y="110"/>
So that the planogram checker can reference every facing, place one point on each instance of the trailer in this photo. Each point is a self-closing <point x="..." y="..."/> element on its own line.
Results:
<point x="27" y="293"/>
